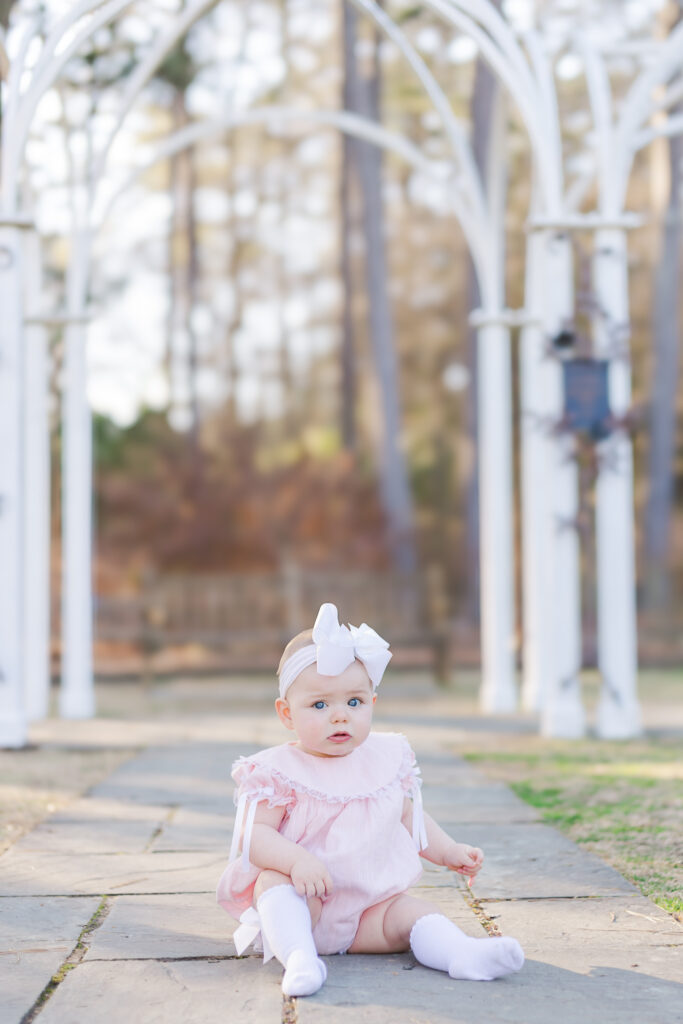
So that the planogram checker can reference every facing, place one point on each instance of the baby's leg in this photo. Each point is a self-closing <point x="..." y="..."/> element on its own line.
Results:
<point x="402" y="923"/>
<point x="287" y="923"/>
<point x="269" y="878"/>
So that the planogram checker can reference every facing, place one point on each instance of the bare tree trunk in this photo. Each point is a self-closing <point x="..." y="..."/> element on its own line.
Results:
<point x="174" y="268"/>
<point x="5" y="8"/>
<point x="349" y="160"/>
<point x="192" y="296"/>
<point x="184" y="258"/>
<point x="363" y="93"/>
<point x="666" y="333"/>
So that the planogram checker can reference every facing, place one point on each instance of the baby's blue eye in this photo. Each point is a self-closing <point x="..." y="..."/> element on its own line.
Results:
<point x="319" y="704"/>
<point x="354" y="702"/>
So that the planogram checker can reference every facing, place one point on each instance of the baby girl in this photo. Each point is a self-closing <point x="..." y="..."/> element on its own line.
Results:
<point x="332" y="828"/>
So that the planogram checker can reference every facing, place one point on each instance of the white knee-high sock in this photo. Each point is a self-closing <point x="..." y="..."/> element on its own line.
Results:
<point x="438" y="943"/>
<point x="286" y="925"/>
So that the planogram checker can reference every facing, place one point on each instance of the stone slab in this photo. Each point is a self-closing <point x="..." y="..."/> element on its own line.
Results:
<point x="192" y="925"/>
<point x="461" y="815"/>
<point x="36" y="936"/>
<point x="192" y="774"/>
<point x="175" y="992"/>
<point x="629" y="933"/>
<point x="445" y="769"/>
<point x="377" y="990"/>
<point x="152" y="926"/>
<point x="494" y="803"/>
<point x="449" y="901"/>
<point x="39" y="873"/>
<point x="195" y="828"/>
<point x="536" y="861"/>
<point x="91" y="825"/>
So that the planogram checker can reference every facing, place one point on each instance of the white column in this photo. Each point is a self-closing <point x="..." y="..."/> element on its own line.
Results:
<point x="77" y="694"/>
<point x="562" y="712"/>
<point x="13" y="729"/>
<point x="36" y="651"/>
<point x="536" y="640"/>
<point x="618" y="714"/>
<point x="498" y="691"/>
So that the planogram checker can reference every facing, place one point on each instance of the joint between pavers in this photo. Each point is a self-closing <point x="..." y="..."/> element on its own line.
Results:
<point x="72" y="960"/>
<point x="474" y="904"/>
<point x="289" y="1011"/>
<point x="547" y="899"/>
<point x="208" y="958"/>
<point x="168" y="818"/>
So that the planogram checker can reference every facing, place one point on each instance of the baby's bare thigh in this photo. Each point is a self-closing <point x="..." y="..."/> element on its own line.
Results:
<point x="386" y="927"/>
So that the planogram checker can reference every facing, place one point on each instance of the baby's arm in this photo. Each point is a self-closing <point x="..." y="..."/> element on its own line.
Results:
<point x="270" y="850"/>
<point x="441" y="849"/>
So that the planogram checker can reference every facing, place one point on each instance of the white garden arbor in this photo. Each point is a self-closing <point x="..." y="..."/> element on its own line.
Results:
<point x="551" y="590"/>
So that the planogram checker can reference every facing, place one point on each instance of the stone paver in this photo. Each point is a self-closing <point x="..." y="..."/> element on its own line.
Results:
<point x="41" y="873"/>
<point x="594" y="934"/>
<point x="175" y="992"/>
<point x="149" y="927"/>
<point x="397" y="991"/>
<point x="192" y="828"/>
<point x="92" y="825"/>
<point x="154" y="836"/>
<point x="36" y="936"/>
<point x="534" y="860"/>
<point x="459" y="803"/>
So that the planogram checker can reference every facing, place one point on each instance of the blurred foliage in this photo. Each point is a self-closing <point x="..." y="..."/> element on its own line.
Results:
<point x="226" y="512"/>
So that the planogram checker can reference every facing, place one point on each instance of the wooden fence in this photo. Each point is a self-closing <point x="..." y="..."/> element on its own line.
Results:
<point x="251" y="616"/>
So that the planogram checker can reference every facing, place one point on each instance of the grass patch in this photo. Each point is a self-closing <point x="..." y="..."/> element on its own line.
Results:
<point x="622" y="801"/>
<point x="674" y="906"/>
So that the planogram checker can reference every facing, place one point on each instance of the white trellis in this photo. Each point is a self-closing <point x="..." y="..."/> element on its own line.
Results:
<point x="551" y="597"/>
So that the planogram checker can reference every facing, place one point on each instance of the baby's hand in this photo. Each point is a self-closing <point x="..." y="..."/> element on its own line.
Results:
<point x="310" y="877"/>
<point x="466" y="860"/>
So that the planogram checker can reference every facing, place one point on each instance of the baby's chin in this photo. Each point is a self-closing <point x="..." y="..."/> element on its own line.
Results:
<point x="331" y="748"/>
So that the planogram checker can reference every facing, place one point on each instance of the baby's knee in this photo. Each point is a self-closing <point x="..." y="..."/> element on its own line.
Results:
<point x="268" y="879"/>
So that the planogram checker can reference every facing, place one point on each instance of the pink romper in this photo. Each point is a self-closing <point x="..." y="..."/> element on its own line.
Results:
<point x="346" y="811"/>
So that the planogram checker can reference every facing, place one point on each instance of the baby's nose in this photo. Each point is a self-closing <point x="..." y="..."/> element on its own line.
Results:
<point x="339" y="712"/>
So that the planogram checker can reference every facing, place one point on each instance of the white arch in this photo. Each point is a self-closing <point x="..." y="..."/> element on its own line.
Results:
<point x="516" y="76"/>
<point x="44" y="76"/>
<point x="475" y="225"/>
<point x="98" y="13"/>
<point x="348" y="123"/>
<point x="485" y="245"/>
<point x="531" y="87"/>
<point x="638" y="105"/>
<point x="619" y="138"/>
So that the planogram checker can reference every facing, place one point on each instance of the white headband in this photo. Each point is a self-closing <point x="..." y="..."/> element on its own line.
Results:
<point x="336" y="647"/>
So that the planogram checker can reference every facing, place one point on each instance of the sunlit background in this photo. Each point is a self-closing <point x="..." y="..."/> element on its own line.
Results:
<point x="237" y="432"/>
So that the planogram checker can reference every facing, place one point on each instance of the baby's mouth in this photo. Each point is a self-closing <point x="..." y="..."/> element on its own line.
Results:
<point x="339" y="737"/>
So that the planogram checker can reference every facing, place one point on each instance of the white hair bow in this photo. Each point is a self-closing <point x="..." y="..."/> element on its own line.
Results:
<point x="335" y="647"/>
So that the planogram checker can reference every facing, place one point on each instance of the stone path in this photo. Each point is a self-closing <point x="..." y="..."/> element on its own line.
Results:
<point x="113" y="898"/>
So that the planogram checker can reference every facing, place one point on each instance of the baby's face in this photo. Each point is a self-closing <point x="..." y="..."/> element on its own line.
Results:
<point x="331" y="715"/>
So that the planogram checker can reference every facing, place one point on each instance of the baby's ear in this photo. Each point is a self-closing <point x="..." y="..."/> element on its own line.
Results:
<point x="374" y="698"/>
<point x="284" y="713"/>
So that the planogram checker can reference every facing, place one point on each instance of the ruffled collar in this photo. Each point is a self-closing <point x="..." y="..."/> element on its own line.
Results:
<point x="377" y="763"/>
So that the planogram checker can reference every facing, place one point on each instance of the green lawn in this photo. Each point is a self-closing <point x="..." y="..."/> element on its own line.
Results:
<point x="623" y="801"/>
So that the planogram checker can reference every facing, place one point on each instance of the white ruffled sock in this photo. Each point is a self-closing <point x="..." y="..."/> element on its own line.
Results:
<point x="286" y="925"/>
<point x="440" y="944"/>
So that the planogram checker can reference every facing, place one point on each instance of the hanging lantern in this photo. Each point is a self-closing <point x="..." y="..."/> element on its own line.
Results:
<point x="586" y="397"/>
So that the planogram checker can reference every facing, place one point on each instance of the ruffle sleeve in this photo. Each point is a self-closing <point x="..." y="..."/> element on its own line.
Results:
<point x="260" y="782"/>
<point x="257" y="782"/>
